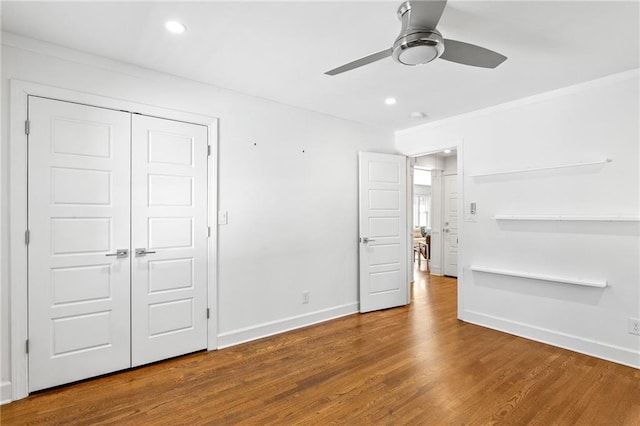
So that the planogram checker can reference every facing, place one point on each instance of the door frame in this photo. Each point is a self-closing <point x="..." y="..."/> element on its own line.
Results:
<point x="458" y="145"/>
<point x="18" y="209"/>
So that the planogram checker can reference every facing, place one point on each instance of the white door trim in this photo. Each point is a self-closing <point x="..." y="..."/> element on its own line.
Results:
<point x="458" y="145"/>
<point x="411" y="162"/>
<point x="19" y="90"/>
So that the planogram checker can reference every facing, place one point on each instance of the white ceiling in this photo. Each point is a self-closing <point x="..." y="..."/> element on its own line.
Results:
<point x="280" y="50"/>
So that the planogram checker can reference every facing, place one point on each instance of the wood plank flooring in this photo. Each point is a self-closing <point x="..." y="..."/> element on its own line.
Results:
<point x="411" y="365"/>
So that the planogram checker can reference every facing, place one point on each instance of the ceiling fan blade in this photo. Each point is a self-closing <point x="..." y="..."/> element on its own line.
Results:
<point x="470" y="54"/>
<point x="360" y="62"/>
<point x="427" y="14"/>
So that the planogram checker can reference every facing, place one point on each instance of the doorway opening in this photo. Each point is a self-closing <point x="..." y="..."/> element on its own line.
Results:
<point x="436" y="194"/>
<point x="435" y="212"/>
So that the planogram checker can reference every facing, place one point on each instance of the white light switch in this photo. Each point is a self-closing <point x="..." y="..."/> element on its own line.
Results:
<point x="222" y="217"/>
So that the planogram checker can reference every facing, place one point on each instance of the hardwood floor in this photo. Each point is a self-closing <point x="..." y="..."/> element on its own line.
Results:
<point x="412" y="365"/>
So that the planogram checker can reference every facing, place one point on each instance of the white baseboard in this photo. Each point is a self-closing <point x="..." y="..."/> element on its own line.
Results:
<point x="248" y="334"/>
<point x="435" y="270"/>
<point x="5" y="392"/>
<point x="581" y="345"/>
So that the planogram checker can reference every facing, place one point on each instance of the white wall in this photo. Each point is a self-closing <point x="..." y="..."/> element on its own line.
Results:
<point x="591" y="121"/>
<point x="451" y="165"/>
<point x="292" y="214"/>
<point x="430" y="161"/>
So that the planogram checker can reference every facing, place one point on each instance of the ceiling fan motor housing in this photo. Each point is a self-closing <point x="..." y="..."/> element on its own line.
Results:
<point x="416" y="43"/>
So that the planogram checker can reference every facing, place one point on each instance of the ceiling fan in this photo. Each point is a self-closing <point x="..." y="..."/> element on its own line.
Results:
<point x="420" y="42"/>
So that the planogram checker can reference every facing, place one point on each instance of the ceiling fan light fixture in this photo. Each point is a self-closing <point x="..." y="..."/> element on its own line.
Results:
<point x="419" y="42"/>
<point x="418" y="48"/>
<point x="417" y="55"/>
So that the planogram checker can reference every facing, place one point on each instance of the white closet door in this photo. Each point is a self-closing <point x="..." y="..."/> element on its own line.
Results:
<point x="169" y="225"/>
<point x="78" y="194"/>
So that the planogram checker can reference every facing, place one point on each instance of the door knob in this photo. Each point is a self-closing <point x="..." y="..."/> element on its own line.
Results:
<point x="367" y="239"/>
<point x="119" y="253"/>
<point x="143" y="252"/>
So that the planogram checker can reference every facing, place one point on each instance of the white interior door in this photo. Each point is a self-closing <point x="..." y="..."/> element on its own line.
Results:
<point x="169" y="238"/>
<point x="78" y="195"/>
<point x="450" y="228"/>
<point x="383" y="231"/>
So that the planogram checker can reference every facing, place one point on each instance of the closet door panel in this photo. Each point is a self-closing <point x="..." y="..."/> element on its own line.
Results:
<point x="169" y="234"/>
<point x="78" y="195"/>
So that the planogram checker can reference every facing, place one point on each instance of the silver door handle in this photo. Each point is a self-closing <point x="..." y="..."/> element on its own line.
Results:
<point x="119" y="253"/>
<point x="367" y="239"/>
<point x="143" y="252"/>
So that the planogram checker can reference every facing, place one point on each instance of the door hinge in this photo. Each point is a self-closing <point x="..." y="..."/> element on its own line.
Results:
<point x="208" y="150"/>
<point x="207" y="313"/>
<point x="208" y="231"/>
<point x="27" y="127"/>
<point x="26" y="346"/>
<point x="27" y="234"/>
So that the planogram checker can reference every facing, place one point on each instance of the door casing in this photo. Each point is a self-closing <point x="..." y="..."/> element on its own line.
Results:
<point x="18" y="271"/>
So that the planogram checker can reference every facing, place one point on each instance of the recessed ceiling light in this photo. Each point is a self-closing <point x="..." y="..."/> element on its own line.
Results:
<point x="418" y="114"/>
<point x="175" y="27"/>
<point x="390" y="101"/>
<point x="447" y="151"/>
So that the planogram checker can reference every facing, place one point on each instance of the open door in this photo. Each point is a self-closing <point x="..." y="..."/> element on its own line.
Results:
<point x="383" y="231"/>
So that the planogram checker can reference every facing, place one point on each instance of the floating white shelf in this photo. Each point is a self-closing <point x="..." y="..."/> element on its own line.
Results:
<point x="535" y="169"/>
<point x="550" y="278"/>
<point x="569" y="218"/>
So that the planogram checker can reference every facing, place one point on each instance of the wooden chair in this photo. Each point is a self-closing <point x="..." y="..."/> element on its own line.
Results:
<point x="423" y="250"/>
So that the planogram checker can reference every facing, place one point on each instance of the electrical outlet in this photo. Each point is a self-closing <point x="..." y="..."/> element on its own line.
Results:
<point x="634" y="326"/>
<point x="305" y="297"/>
